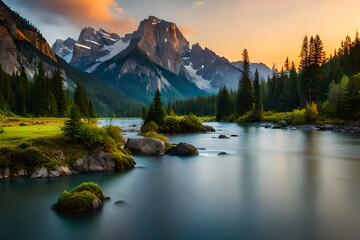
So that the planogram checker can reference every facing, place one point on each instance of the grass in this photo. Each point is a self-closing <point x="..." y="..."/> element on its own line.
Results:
<point x="16" y="134"/>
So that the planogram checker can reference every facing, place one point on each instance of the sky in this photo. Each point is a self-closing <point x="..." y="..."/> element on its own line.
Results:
<point x="271" y="30"/>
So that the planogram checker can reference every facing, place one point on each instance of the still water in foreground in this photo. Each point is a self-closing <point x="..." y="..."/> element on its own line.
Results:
<point x="272" y="184"/>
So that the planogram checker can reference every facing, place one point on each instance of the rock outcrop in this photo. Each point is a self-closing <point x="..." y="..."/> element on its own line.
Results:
<point x="145" y="146"/>
<point x="162" y="41"/>
<point x="16" y="35"/>
<point x="97" y="162"/>
<point x="183" y="149"/>
<point x="40" y="173"/>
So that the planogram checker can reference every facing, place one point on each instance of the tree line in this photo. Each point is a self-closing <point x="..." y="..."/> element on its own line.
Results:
<point x="331" y="85"/>
<point x="43" y="96"/>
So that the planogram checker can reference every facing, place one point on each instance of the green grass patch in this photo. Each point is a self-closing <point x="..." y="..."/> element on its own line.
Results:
<point x="15" y="135"/>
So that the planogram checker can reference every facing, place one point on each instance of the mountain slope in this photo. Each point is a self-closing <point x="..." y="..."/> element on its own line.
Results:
<point x="16" y="33"/>
<point x="133" y="72"/>
<point x="91" y="49"/>
<point x="22" y="44"/>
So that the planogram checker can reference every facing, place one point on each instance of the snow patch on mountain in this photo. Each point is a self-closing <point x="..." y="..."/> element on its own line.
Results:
<point x="112" y="50"/>
<point x="198" y="80"/>
<point x="82" y="46"/>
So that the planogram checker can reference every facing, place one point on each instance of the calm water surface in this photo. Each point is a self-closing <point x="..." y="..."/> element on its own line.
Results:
<point x="272" y="184"/>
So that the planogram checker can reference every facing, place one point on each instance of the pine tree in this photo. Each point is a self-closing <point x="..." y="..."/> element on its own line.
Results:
<point x="73" y="127"/>
<point x="143" y="113"/>
<point x="224" y="105"/>
<point x="22" y="91"/>
<point x="294" y="87"/>
<point x="92" y="111"/>
<point x="81" y="99"/>
<point x="304" y="54"/>
<point x="245" y="97"/>
<point x="311" y="72"/>
<point x="156" y="112"/>
<point x="40" y="92"/>
<point x="57" y="85"/>
<point x="257" y="97"/>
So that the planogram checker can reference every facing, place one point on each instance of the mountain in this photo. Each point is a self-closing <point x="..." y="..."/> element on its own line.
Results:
<point x="21" y="44"/>
<point x="64" y="48"/>
<point x="163" y="43"/>
<point x="151" y="61"/>
<point x="167" y="48"/>
<point x="91" y="49"/>
<point x="210" y="71"/>
<point x="264" y="71"/>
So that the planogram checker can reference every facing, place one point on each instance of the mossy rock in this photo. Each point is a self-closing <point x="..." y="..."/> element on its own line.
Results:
<point x="85" y="197"/>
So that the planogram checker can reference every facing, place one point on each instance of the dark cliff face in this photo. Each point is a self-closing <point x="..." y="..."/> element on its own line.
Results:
<point x="89" y="47"/>
<point x="64" y="48"/>
<point x="163" y="42"/>
<point x="16" y="35"/>
<point x="92" y="48"/>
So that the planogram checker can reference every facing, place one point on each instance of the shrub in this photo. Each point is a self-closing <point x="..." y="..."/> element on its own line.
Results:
<point x="1" y="130"/>
<point x="149" y="127"/>
<point x="190" y="123"/>
<point x="123" y="160"/>
<point x="298" y="116"/>
<point x="311" y="112"/>
<point x="154" y="135"/>
<point x="171" y="125"/>
<point x="115" y="133"/>
<point x="24" y="145"/>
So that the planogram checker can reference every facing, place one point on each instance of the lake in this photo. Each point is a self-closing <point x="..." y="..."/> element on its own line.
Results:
<point x="271" y="184"/>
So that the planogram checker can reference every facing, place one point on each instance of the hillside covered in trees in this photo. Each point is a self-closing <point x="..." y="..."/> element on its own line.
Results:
<point x="331" y="86"/>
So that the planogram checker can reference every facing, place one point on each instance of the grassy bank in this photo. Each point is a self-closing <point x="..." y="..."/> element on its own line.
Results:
<point x="29" y="143"/>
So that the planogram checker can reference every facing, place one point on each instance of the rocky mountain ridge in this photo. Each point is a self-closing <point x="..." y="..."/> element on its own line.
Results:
<point x="166" y="46"/>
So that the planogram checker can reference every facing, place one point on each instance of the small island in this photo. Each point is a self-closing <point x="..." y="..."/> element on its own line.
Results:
<point x="86" y="197"/>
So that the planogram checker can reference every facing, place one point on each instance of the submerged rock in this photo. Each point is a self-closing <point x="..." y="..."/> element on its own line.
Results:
<point x="183" y="149"/>
<point x="283" y="124"/>
<point x="145" y="146"/>
<point x="222" y="153"/>
<point x="206" y="128"/>
<point x="223" y="136"/>
<point x="119" y="202"/>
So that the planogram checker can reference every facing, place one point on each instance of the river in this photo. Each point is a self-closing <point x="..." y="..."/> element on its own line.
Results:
<point x="271" y="184"/>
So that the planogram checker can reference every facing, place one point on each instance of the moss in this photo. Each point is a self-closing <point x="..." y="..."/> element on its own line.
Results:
<point x="91" y="187"/>
<point x="80" y="199"/>
<point x="154" y="135"/>
<point x="75" y="202"/>
<point x="169" y="146"/>
<point x="123" y="160"/>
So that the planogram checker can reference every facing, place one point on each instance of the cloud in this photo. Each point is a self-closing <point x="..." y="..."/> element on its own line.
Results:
<point x="105" y="14"/>
<point x="187" y="31"/>
<point x="199" y="3"/>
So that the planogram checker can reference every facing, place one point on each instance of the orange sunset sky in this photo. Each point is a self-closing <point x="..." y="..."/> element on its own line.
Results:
<point x="271" y="30"/>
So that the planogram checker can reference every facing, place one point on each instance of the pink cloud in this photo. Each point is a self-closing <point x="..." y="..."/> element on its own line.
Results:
<point x="105" y="14"/>
<point x="187" y="31"/>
